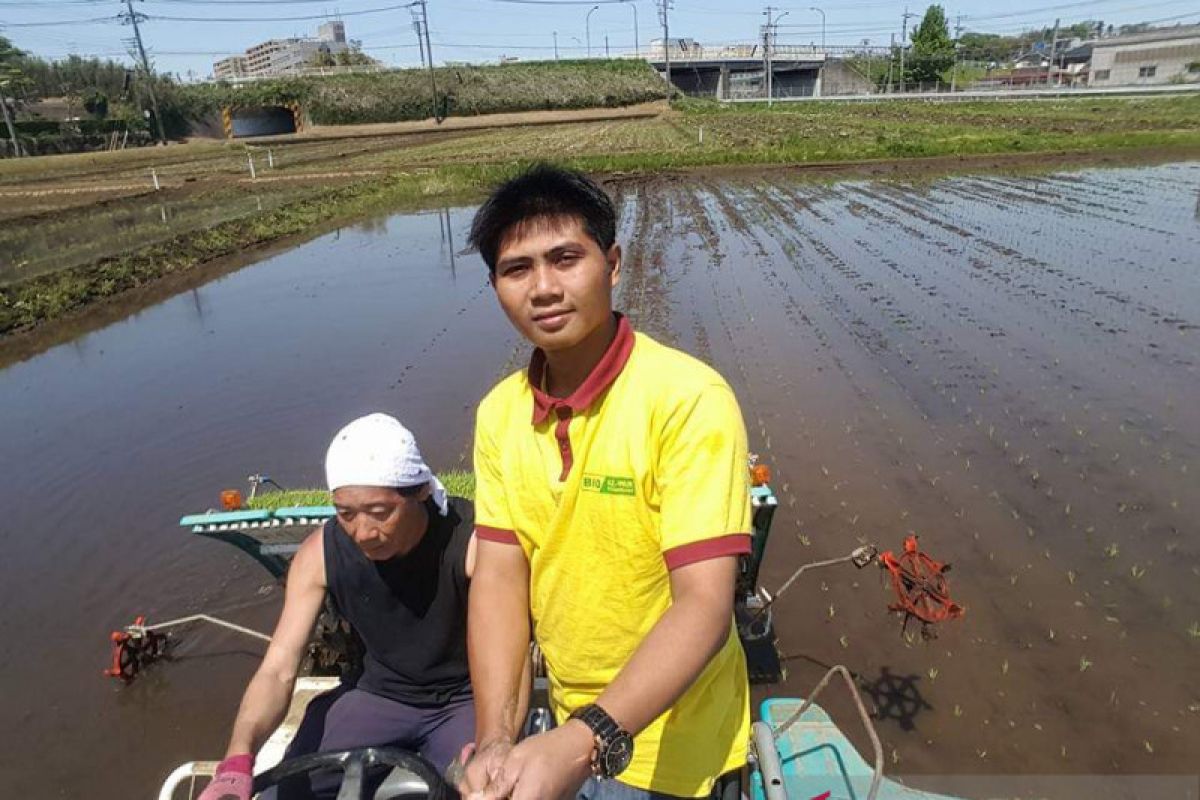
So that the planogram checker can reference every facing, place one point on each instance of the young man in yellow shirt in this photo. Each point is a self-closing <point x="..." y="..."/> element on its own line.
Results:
<point x="612" y="503"/>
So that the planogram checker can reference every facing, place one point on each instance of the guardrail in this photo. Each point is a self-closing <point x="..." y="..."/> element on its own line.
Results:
<point x="997" y="94"/>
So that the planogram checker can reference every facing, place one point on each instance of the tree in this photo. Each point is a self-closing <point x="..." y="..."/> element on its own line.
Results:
<point x="354" y="58"/>
<point x="932" y="51"/>
<point x="96" y="104"/>
<point x="322" y="58"/>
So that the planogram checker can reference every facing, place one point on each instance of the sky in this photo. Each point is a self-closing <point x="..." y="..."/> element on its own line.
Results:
<point x="185" y="36"/>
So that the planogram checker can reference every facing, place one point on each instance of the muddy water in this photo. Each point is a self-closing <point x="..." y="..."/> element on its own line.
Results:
<point x="1006" y="366"/>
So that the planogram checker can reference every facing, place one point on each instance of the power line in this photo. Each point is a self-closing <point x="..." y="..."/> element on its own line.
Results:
<point x="560" y="2"/>
<point x="164" y="18"/>
<point x="1064" y="6"/>
<point x="60" y="22"/>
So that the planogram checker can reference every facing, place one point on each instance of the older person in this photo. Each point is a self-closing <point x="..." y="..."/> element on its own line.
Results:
<point x="396" y="560"/>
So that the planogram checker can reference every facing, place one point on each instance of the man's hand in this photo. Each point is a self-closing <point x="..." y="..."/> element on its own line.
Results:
<point x="549" y="766"/>
<point x="233" y="780"/>
<point x="479" y="766"/>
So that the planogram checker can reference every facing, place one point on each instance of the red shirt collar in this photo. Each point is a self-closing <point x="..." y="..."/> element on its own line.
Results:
<point x="602" y="376"/>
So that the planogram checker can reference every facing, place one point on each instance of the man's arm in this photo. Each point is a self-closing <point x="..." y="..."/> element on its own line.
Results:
<point x="678" y="647"/>
<point x="665" y="664"/>
<point x="266" y="700"/>
<point x="498" y="640"/>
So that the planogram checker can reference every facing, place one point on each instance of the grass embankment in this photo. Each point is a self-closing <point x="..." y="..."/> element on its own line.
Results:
<point x="802" y="133"/>
<point x="402" y="95"/>
<point x="457" y="482"/>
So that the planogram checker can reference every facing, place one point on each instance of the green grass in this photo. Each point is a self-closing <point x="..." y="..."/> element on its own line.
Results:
<point x="290" y="498"/>
<point x="458" y="483"/>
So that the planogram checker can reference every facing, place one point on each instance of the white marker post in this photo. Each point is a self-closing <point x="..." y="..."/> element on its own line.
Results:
<point x="270" y="159"/>
<point x="250" y="160"/>
<point x="154" y="177"/>
<point x="701" y="134"/>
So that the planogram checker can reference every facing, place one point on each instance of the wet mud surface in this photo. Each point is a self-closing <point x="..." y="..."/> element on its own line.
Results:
<point x="1005" y="366"/>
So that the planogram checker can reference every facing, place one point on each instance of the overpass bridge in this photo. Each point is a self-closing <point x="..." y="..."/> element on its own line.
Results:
<point x="738" y="72"/>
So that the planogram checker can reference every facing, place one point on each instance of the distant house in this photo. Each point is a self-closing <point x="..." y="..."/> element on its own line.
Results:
<point x="1164" y="55"/>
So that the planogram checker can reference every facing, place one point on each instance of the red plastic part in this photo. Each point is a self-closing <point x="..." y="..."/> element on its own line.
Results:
<point x="920" y="585"/>
<point x="131" y="652"/>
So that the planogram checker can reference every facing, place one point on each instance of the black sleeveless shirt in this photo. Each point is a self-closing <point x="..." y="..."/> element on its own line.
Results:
<point x="410" y="611"/>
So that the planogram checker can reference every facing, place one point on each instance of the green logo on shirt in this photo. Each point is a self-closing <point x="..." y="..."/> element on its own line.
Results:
<point x="608" y="484"/>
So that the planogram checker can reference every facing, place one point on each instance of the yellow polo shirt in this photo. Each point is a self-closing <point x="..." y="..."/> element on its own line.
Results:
<point x="642" y="470"/>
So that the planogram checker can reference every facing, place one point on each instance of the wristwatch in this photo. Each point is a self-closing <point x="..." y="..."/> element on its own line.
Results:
<point x="614" y="746"/>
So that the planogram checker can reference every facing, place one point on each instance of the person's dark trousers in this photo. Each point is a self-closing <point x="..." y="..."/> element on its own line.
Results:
<point x="349" y="718"/>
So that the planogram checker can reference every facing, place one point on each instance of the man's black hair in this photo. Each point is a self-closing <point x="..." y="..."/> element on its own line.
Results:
<point x="543" y="192"/>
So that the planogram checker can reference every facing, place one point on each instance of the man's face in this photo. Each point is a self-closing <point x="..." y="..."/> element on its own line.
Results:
<point x="380" y="520"/>
<point x="554" y="282"/>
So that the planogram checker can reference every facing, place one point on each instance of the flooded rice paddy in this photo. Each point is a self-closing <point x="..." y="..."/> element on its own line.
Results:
<point x="1006" y="366"/>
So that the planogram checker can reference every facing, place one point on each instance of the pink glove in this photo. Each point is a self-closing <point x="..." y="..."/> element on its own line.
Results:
<point x="233" y="781"/>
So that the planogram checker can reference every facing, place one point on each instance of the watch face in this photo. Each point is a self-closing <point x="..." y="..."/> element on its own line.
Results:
<point x="618" y="754"/>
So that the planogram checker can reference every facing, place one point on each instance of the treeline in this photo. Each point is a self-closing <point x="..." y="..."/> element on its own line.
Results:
<point x="932" y="54"/>
<point x="399" y="95"/>
<point x="105" y="90"/>
<point x="73" y="75"/>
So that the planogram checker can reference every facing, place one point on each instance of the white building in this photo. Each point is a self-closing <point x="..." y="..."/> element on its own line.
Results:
<point x="1165" y="55"/>
<point x="232" y="67"/>
<point x="284" y="56"/>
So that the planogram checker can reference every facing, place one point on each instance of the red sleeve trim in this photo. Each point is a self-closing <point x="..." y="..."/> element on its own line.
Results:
<point x="498" y="535"/>
<point x="733" y="544"/>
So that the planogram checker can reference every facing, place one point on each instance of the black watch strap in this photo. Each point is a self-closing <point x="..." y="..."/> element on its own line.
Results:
<point x="603" y="726"/>
<point x="609" y="736"/>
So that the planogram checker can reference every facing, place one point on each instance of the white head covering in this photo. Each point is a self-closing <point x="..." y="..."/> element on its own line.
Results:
<point x="376" y="450"/>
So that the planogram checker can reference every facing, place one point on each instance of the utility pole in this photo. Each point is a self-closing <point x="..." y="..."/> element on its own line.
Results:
<point x="417" y="29"/>
<point x="663" y="7"/>
<point x="903" y="44"/>
<point x="769" y="11"/>
<point x="606" y="53"/>
<point x="769" y="32"/>
<point x="954" y="69"/>
<point x="133" y="18"/>
<point x="429" y="55"/>
<point x="555" y="45"/>
<point x="891" y="61"/>
<point x="1053" y="49"/>
<point x="867" y="46"/>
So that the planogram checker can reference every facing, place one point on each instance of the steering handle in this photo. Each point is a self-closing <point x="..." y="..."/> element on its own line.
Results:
<point x="354" y="764"/>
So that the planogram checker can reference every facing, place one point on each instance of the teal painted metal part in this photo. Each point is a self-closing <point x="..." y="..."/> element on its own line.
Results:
<point x="816" y="757"/>
<point x="238" y="528"/>
<point x="225" y="518"/>
<point x="236" y="517"/>
<point x="764" y="511"/>
<point x="322" y="512"/>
